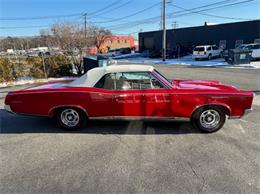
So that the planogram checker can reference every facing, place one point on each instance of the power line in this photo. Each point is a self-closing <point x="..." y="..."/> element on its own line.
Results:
<point x="221" y="6"/>
<point x="211" y="15"/>
<point x="126" y="3"/>
<point x="176" y="14"/>
<point x="133" y="14"/>
<point x="104" y="8"/>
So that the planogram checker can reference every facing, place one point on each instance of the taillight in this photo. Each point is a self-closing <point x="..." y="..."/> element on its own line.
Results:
<point x="205" y="52"/>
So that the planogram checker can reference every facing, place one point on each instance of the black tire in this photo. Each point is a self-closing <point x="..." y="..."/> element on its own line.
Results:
<point x="210" y="56"/>
<point x="70" y="118"/>
<point x="208" y="119"/>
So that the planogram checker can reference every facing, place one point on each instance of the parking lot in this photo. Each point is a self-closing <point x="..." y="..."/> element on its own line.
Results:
<point x="134" y="156"/>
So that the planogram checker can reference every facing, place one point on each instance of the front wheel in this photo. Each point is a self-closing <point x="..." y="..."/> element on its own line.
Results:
<point x="70" y="118"/>
<point x="208" y="119"/>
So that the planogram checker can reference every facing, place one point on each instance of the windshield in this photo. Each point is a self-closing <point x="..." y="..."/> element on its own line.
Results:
<point x="163" y="77"/>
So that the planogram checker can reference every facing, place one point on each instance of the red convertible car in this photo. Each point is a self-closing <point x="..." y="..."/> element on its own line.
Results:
<point x="132" y="92"/>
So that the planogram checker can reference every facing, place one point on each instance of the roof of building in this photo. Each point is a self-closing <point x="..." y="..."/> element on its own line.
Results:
<point x="94" y="75"/>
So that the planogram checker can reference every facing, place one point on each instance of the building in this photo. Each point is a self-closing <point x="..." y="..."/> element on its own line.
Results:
<point x="227" y="36"/>
<point x="106" y="43"/>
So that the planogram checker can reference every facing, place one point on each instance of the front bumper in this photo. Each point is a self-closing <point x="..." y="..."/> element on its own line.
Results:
<point x="8" y="108"/>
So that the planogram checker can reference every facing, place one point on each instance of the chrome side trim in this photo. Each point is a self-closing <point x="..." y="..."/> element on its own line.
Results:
<point x="155" y="118"/>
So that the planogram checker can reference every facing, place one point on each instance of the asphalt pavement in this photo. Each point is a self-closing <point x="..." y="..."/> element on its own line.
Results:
<point x="134" y="156"/>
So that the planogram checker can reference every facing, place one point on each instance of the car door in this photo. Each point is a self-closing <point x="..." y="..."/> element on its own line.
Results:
<point x="215" y="51"/>
<point x="102" y="97"/>
<point x="140" y="94"/>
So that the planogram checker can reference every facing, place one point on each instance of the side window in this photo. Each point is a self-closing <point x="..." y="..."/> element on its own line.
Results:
<point x="156" y="84"/>
<point x="106" y="82"/>
<point x="215" y="48"/>
<point x="208" y="48"/>
<point x="136" y="80"/>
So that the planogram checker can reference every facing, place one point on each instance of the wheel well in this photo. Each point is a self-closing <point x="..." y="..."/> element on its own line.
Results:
<point x="225" y="109"/>
<point x="53" y="112"/>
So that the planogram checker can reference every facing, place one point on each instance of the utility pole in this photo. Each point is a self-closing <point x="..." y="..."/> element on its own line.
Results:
<point x="44" y="67"/>
<point x="174" y="25"/>
<point x="85" y="25"/>
<point x="164" y="31"/>
<point x="85" y="33"/>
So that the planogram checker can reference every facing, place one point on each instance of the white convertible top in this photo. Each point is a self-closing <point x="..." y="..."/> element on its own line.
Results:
<point x="92" y="76"/>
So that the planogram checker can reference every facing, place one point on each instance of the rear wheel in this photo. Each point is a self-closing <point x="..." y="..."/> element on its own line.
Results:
<point x="70" y="118"/>
<point x="208" y="119"/>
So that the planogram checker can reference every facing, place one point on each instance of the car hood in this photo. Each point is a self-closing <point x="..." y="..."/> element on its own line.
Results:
<point x="203" y="85"/>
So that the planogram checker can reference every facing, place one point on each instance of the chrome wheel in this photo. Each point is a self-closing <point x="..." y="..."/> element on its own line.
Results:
<point x="70" y="117"/>
<point x="209" y="119"/>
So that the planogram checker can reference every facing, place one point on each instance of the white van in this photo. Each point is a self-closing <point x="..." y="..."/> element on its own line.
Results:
<point x="206" y="52"/>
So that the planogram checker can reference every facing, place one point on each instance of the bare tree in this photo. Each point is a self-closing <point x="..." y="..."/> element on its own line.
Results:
<point x="99" y="36"/>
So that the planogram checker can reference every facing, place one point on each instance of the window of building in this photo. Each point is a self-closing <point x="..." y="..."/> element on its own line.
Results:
<point x="257" y="41"/>
<point x="223" y="44"/>
<point x="238" y="42"/>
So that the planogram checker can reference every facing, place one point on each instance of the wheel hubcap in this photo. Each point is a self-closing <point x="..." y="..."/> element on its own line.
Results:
<point x="209" y="118"/>
<point x="70" y="117"/>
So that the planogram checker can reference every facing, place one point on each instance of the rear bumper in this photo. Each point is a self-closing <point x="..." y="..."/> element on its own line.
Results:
<point x="246" y="112"/>
<point x="202" y="56"/>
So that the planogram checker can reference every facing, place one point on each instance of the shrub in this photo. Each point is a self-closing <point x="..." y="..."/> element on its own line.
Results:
<point x="6" y="72"/>
<point x="56" y="66"/>
<point x="36" y="70"/>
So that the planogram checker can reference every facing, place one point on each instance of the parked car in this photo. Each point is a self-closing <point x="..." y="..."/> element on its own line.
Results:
<point x="132" y="92"/>
<point x="206" y="52"/>
<point x="255" y="48"/>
